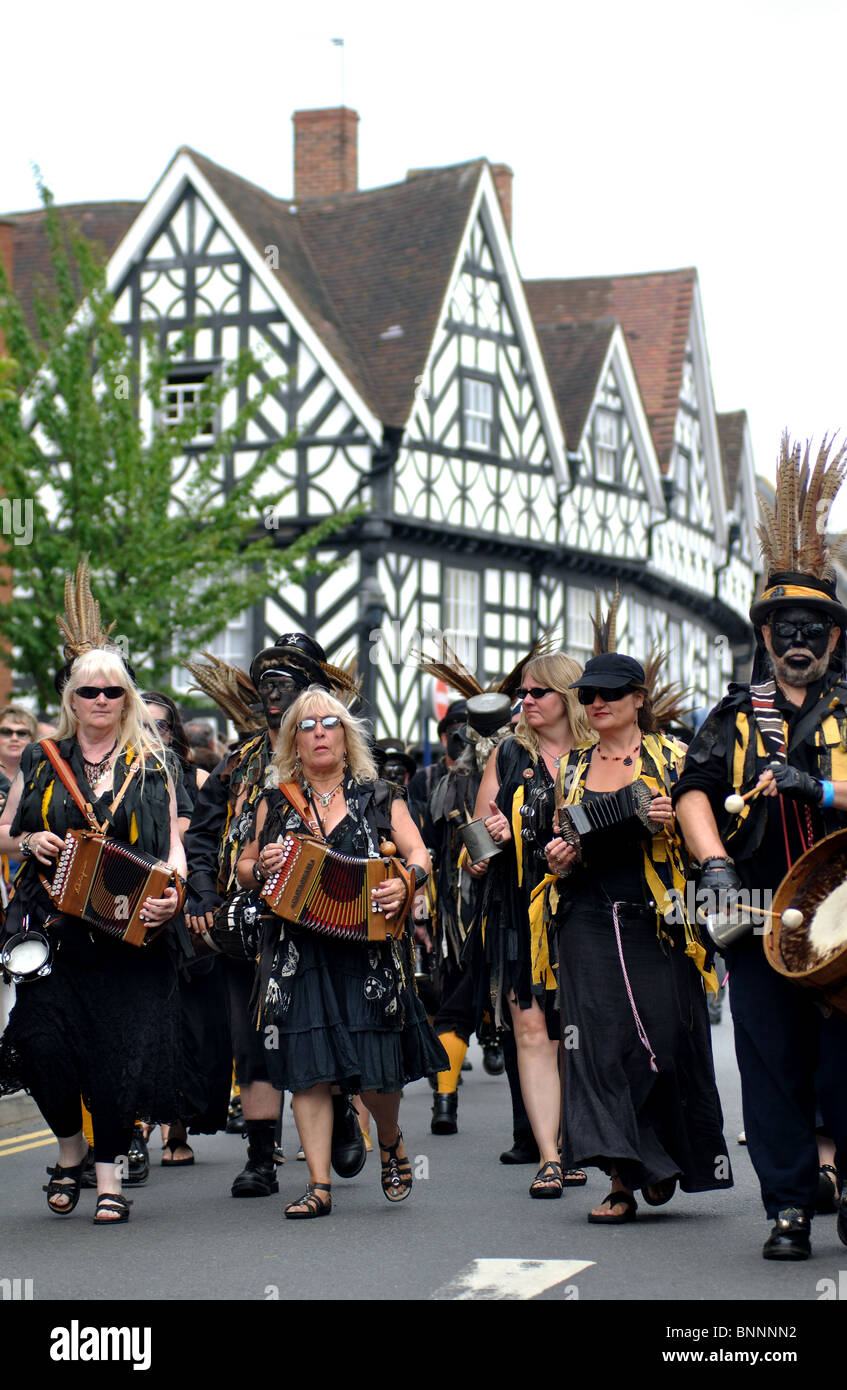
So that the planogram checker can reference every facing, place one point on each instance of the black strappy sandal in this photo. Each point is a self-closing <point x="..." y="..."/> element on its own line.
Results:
<point x="112" y="1201"/>
<point x="396" y="1175"/>
<point x="313" y="1204"/>
<point x="548" y="1181"/>
<point x="56" y="1187"/>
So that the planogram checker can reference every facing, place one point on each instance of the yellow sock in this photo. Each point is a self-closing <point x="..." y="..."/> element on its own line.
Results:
<point x="87" y="1127"/>
<point x="456" y="1049"/>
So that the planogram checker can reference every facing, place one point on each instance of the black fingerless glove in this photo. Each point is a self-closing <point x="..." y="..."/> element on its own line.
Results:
<point x="799" y="786"/>
<point x="718" y="887"/>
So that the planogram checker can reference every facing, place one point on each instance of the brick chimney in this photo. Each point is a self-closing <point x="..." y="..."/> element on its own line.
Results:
<point x="503" y="176"/>
<point x="325" y="152"/>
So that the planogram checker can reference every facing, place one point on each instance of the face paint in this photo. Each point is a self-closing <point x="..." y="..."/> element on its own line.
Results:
<point x="799" y="644"/>
<point x="396" y="772"/>
<point x="276" y="692"/>
<point x="457" y="741"/>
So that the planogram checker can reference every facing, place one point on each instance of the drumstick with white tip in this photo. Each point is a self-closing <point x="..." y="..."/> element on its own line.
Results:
<point x="791" y="917"/>
<point x="734" y="803"/>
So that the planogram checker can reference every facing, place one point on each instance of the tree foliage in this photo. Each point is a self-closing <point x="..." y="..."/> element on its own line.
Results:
<point x="83" y="442"/>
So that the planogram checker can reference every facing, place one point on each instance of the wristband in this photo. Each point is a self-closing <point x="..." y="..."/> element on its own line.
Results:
<point x="25" y="850"/>
<point x="828" y="797"/>
<point x="420" y="874"/>
<point x="257" y="873"/>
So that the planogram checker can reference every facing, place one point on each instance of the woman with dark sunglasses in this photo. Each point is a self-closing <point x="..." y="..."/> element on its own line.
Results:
<point x="338" y="1012"/>
<point x="639" y="1095"/>
<point x="515" y="970"/>
<point x="101" y="1025"/>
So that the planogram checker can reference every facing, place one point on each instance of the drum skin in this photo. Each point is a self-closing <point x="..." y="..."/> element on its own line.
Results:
<point x="808" y="882"/>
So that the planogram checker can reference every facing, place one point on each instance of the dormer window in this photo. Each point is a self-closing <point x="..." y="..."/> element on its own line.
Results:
<point x="479" y="416"/>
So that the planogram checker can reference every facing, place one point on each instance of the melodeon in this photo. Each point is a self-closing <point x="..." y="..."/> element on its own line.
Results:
<point x="625" y="812"/>
<point x="331" y="893"/>
<point x="106" y="882"/>
<point x="813" y="954"/>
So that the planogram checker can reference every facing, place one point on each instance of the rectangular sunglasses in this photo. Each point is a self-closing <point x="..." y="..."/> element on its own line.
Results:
<point x="90" y="692"/>
<point x="330" y="721"/>
<point x="587" y="694"/>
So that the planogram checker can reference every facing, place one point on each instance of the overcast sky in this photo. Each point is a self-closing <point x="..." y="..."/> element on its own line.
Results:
<point x="642" y="136"/>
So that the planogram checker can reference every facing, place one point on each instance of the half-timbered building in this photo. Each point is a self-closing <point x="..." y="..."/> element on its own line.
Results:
<point x="513" y="445"/>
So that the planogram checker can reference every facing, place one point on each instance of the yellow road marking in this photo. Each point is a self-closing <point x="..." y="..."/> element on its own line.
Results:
<point x="4" y="1153"/>
<point x="19" y="1138"/>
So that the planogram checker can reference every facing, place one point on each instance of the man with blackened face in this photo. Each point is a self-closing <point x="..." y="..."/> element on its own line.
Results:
<point x="800" y="642"/>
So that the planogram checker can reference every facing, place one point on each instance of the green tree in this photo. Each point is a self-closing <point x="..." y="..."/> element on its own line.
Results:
<point x="170" y="574"/>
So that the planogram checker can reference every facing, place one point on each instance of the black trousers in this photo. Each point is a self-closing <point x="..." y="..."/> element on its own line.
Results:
<point x="248" y="1042"/>
<point x="793" y="1063"/>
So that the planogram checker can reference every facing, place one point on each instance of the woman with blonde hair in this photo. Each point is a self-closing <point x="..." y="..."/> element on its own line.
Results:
<point x="520" y="776"/>
<point x="100" y="1025"/>
<point x="343" y="1013"/>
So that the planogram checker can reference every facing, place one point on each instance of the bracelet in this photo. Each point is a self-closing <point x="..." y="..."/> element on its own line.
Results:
<point x="257" y="873"/>
<point x="421" y="876"/>
<point x="828" y="797"/>
<point x="716" y="859"/>
<point x="25" y="849"/>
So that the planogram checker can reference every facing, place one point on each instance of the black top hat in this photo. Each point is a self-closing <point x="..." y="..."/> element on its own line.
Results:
<point x="489" y="712"/>
<point x="790" y="589"/>
<point x="457" y="713"/>
<point x="394" y="750"/>
<point x="609" y="671"/>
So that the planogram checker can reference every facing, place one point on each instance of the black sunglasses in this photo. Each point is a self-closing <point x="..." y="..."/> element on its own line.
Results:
<point x="809" y="632"/>
<point x="587" y="694"/>
<point x="329" y="721"/>
<point x="90" y="692"/>
<point x="14" y="733"/>
<point x="536" y="691"/>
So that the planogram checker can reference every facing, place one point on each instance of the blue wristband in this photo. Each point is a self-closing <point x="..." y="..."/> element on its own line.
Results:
<point x="828" y="798"/>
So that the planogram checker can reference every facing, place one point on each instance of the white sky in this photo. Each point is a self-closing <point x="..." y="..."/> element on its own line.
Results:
<point x="642" y="136"/>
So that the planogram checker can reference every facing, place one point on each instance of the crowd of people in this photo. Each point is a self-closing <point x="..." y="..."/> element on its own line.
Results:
<point x="529" y="887"/>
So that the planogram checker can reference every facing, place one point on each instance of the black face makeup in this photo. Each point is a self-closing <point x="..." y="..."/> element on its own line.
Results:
<point x="800" y="640"/>
<point x="396" y="772"/>
<point x="276" y="692"/>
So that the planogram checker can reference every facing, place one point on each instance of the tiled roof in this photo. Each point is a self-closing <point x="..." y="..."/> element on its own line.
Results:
<point x="654" y="311"/>
<point x="731" y="438"/>
<point x="368" y="270"/>
<point x="574" y="354"/>
<point x="102" y="223"/>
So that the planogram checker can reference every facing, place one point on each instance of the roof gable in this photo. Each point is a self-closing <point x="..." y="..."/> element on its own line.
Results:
<point x="654" y="311"/>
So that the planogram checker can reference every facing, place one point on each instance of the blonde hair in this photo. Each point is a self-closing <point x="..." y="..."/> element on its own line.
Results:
<point x="23" y="716"/>
<point x="135" y="727"/>
<point x="557" y="670"/>
<point x="317" y="701"/>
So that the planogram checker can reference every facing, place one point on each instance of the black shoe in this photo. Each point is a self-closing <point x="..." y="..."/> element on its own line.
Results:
<point x="139" y="1159"/>
<point x="827" y="1198"/>
<point x="521" y="1151"/>
<point x="258" y="1176"/>
<point x="444" y="1110"/>
<point x="493" y="1060"/>
<point x="348" y="1142"/>
<point x="789" y="1237"/>
<point x="235" y="1117"/>
<point x="467" y="1066"/>
<point x="841" y="1222"/>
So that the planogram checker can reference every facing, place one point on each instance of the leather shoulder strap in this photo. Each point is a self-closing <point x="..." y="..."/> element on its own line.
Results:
<point x="69" y="781"/>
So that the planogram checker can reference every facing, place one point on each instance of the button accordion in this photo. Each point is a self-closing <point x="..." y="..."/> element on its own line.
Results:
<point x="332" y="893"/>
<point x="106" y="882"/>
<point x="625" y="812"/>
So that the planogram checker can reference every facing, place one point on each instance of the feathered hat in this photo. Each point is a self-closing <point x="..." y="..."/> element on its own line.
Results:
<point x="231" y="689"/>
<point x="81" y="625"/>
<point x="671" y="702"/>
<point x="792" y="533"/>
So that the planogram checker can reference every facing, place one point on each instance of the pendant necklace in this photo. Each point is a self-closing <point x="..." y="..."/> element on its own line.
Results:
<point x="625" y="758"/>
<point x="325" y="797"/>
<point x="556" y="757"/>
<point x="94" y="771"/>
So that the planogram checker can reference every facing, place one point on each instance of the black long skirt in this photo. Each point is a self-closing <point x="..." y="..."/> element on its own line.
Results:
<point x="104" y="1024"/>
<point x="346" y="1013"/>
<point x="618" y="1113"/>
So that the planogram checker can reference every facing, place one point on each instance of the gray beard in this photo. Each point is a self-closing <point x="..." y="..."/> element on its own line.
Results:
<point x="789" y="675"/>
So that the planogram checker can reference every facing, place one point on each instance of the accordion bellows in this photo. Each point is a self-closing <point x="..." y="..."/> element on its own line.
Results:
<point x="105" y="883"/>
<point x="331" y="893"/>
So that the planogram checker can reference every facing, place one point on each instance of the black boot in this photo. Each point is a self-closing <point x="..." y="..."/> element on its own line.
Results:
<point x="258" y="1176"/>
<point x="444" y="1110"/>
<point x="493" y="1060"/>
<point x="139" y="1159"/>
<point x="348" y="1152"/>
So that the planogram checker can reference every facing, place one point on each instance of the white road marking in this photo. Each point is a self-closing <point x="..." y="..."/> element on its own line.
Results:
<point x="513" y="1279"/>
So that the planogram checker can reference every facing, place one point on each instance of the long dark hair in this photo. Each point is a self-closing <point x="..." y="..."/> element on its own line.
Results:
<point x="179" y="742"/>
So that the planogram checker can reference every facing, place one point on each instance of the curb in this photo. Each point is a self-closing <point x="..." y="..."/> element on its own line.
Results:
<point x="19" y="1109"/>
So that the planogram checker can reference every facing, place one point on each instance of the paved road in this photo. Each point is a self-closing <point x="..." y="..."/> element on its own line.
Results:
<point x="188" y="1239"/>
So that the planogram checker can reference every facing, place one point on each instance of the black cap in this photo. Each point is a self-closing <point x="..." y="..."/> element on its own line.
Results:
<point x="457" y="713"/>
<point x="302" y="642"/>
<point x="293" y="655"/>
<point x="394" y="750"/>
<point x="609" y="671"/>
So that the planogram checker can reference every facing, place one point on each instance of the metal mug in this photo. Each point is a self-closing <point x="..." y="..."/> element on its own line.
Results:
<point x="725" y="928"/>
<point x="477" y="841"/>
